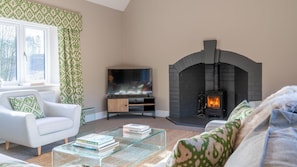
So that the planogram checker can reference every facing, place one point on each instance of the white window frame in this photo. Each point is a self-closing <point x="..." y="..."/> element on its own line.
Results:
<point x="51" y="53"/>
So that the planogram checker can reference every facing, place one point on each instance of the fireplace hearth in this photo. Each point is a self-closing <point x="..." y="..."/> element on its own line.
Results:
<point x="207" y="85"/>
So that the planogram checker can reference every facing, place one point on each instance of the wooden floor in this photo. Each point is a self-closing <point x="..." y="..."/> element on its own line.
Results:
<point x="172" y="137"/>
<point x="174" y="133"/>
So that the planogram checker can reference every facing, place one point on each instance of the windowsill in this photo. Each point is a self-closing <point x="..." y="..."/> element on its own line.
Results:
<point x="36" y="87"/>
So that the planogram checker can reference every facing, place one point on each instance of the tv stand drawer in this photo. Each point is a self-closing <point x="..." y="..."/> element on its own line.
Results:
<point x="132" y="105"/>
<point x="118" y="105"/>
<point x="135" y="100"/>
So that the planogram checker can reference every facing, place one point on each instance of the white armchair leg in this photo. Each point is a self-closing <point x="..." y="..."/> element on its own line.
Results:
<point x="39" y="150"/>
<point x="7" y="145"/>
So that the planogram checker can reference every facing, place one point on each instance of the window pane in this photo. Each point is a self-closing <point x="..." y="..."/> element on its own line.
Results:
<point x="8" y="52"/>
<point x="34" y="54"/>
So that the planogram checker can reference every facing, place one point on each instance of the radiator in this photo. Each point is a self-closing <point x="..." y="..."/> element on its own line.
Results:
<point x="49" y="95"/>
<point x="90" y="114"/>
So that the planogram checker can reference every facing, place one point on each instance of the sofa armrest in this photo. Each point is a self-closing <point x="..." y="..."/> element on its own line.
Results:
<point x="214" y="124"/>
<point x="254" y="104"/>
<point x="10" y="161"/>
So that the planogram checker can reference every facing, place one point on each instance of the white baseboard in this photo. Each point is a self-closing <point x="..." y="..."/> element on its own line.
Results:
<point x="162" y="113"/>
<point x="92" y="116"/>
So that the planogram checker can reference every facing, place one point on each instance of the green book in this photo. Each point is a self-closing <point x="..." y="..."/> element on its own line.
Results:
<point x="95" y="139"/>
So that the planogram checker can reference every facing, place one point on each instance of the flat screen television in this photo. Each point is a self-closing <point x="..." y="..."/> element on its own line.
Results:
<point x="132" y="81"/>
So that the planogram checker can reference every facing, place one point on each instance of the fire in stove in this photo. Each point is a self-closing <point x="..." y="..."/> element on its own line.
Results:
<point x="214" y="103"/>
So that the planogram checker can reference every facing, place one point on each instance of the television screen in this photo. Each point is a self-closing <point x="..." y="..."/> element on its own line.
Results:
<point x="130" y="81"/>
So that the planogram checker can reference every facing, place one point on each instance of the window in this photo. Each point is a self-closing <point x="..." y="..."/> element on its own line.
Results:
<point x="28" y="52"/>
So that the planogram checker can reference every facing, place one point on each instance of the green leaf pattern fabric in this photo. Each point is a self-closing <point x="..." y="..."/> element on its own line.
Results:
<point x="241" y="111"/>
<point x="209" y="149"/>
<point x="71" y="84"/>
<point x="39" y="13"/>
<point x="69" y="25"/>
<point x="27" y="104"/>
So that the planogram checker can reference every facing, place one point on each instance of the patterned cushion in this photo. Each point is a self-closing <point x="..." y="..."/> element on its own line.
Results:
<point x="27" y="104"/>
<point x="241" y="111"/>
<point x="211" y="148"/>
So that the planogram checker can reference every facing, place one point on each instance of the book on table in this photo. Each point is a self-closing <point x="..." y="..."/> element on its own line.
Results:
<point x="96" y="141"/>
<point x="105" y="147"/>
<point x="136" y="130"/>
<point x="136" y="127"/>
<point x="135" y="135"/>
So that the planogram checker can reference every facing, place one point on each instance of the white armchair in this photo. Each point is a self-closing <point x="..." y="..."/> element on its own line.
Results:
<point x="61" y="121"/>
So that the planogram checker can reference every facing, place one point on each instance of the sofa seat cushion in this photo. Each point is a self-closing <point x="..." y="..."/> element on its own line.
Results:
<point x="53" y="124"/>
<point x="273" y="142"/>
<point x="281" y="143"/>
<point x="249" y="153"/>
<point x="263" y="111"/>
<point x="207" y="149"/>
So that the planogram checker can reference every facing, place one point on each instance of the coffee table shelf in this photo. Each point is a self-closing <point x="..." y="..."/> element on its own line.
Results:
<point x="130" y="151"/>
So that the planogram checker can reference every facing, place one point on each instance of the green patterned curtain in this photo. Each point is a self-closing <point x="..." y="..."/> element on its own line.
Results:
<point x="70" y="68"/>
<point x="69" y="27"/>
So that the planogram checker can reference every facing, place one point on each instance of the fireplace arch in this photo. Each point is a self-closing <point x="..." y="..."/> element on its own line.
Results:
<point x="235" y="74"/>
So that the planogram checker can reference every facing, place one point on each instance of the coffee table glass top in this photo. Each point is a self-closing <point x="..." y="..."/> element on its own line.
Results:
<point x="131" y="150"/>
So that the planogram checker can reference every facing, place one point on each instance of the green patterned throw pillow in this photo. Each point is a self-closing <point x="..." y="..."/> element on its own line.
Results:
<point x="241" y="111"/>
<point x="209" y="149"/>
<point x="26" y="104"/>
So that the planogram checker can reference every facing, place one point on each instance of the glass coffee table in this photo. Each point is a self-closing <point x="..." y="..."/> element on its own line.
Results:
<point x="131" y="150"/>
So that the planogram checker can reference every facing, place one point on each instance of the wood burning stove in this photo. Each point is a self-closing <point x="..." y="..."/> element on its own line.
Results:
<point x="195" y="74"/>
<point x="215" y="104"/>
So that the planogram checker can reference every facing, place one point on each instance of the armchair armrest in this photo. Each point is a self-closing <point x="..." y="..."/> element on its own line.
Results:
<point x="72" y="111"/>
<point x="21" y="124"/>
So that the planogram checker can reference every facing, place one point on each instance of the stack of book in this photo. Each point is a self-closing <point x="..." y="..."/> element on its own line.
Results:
<point x="136" y="130"/>
<point x="97" y="142"/>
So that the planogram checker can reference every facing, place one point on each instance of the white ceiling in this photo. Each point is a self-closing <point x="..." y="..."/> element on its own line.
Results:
<point x="114" y="4"/>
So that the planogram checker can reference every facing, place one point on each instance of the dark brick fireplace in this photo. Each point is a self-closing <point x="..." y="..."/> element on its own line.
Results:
<point x="235" y="76"/>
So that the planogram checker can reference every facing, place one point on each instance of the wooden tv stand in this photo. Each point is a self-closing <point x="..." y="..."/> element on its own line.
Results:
<point x="130" y="105"/>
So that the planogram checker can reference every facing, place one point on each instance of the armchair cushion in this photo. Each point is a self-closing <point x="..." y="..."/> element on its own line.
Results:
<point x="27" y="104"/>
<point x="50" y="125"/>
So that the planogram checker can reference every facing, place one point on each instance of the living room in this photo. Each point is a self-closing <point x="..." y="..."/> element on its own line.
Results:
<point x="158" y="33"/>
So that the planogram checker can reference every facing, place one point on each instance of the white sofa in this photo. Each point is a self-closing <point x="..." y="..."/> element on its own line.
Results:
<point x="217" y="123"/>
<point x="8" y="161"/>
<point x="260" y="136"/>
<point x="61" y="121"/>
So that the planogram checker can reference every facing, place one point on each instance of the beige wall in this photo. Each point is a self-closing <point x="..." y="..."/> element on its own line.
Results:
<point x="101" y="46"/>
<point x="157" y="33"/>
<point x="160" y="32"/>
